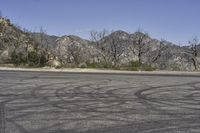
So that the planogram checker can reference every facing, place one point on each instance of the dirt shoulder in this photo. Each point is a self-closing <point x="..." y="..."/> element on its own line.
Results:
<point x="79" y="70"/>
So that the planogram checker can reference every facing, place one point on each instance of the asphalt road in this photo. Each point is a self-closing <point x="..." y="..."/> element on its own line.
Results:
<point x="48" y="102"/>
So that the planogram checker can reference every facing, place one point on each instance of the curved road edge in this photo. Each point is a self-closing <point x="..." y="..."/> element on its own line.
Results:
<point x="102" y="71"/>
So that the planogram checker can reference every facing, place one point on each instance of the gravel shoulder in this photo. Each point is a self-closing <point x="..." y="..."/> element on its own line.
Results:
<point x="103" y="71"/>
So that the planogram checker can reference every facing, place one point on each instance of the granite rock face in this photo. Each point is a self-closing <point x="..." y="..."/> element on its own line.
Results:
<point x="117" y="49"/>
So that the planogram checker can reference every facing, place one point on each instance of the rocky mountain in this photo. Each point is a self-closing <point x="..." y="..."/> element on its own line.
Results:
<point x="115" y="50"/>
<point x="43" y="38"/>
<point x="20" y="47"/>
<point x="72" y="50"/>
<point x="160" y="54"/>
<point x="12" y="40"/>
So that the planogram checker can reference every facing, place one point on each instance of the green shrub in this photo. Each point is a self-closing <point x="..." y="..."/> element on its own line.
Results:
<point x="82" y="65"/>
<point x="92" y="65"/>
<point x="106" y="65"/>
<point x="175" y="67"/>
<point x="148" y="68"/>
<point x="17" y="58"/>
<point x="135" y="64"/>
<point x="43" y="60"/>
<point x="36" y="60"/>
<point x="33" y="58"/>
<point x="134" y="69"/>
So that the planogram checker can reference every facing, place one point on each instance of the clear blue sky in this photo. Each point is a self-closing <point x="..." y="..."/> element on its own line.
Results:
<point x="175" y="20"/>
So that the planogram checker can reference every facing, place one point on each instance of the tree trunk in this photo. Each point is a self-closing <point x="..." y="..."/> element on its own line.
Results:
<point x="194" y="63"/>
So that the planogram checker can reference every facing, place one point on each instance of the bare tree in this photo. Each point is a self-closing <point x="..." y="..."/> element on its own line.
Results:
<point x="98" y="39"/>
<point x="194" y="51"/>
<point x="42" y="47"/>
<point x="159" y="51"/>
<point x="110" y="47"/>
<point x="43" y="39"/>
<point x="74" y="53"/>
<point x="139" y="44"/>
<point x="60" y="53"/>
<point x="116" y="49"/>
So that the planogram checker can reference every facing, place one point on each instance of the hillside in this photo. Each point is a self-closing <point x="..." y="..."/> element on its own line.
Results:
<point x="117" y="50"/>
<point x="20" y="47"/>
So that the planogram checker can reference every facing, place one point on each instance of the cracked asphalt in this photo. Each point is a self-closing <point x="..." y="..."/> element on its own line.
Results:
<point x="53" y="102"/>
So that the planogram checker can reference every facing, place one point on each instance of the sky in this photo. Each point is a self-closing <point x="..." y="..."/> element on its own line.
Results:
<point x="177" y="21"/>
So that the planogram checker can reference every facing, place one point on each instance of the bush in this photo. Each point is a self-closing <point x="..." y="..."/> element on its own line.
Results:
<point x="135" y="64"/>
<point x="92" y="65"/>
<point x="134" y="69"/>
<point x="175" y="67"/>
<point x="148" y="68"/>
<point x="82" y="65"/>
<point x="36" y="60"/>
<point x="17" y="58"/>
<point x="33" y="58"/>
<point x="106" y="65"/>
<point x="43" y="60"/>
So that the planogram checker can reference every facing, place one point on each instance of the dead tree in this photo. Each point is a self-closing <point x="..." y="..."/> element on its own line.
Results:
<point x="158" y="52"/>
<point x="74" y="53"/>
<point x="110" y="47"/>
<point x="116" y="49"/>
<point x="139" y="42"/>
<point x="98" y="39"/>
<point x="43" y="39"/>
<point x="42" y="47"/>
<point x="194" y="51"/>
